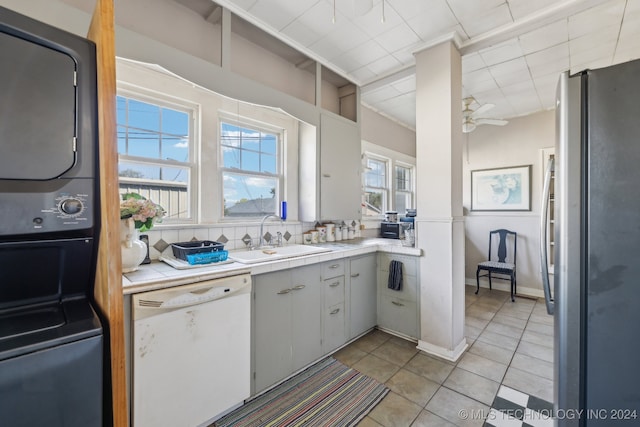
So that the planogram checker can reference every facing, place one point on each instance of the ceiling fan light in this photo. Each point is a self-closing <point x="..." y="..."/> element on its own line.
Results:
<point x="468" y="126"/>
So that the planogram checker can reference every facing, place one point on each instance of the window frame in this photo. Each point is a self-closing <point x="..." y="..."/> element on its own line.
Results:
<point x="280" y="176"/>
<point x="411" y="182"/>
<point x="193" y="112"/>
<point x="386" y="190"/>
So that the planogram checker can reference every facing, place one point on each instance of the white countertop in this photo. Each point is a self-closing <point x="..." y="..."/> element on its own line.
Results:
<point x="158" y="275"/>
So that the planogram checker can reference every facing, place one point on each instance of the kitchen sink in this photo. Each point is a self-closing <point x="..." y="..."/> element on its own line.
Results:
<point x="275" y="253"/>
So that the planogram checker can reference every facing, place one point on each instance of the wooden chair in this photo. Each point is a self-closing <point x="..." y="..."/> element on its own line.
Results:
<point x="505" y="264"/>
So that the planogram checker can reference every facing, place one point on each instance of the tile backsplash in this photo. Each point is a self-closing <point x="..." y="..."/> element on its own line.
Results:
<point x="233" y="236"/>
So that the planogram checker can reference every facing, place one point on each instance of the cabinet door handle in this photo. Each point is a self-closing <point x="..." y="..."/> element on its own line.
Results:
<point x="298" y="287"/>
<point x="334" y="284"/>
<point x="336" y="311"/>
<point x="284" y="291"/>
<point x="399" y="304"/>
<point x="326" y="175"/>
<point x="355" y="275"/>
<point x="334" y="266"/>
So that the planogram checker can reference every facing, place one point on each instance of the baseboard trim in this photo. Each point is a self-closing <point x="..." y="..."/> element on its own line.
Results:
<point x="523" y="291"/>
<point x="450" y="355"/>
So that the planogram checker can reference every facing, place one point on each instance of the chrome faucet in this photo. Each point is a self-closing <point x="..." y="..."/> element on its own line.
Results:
<point x="261" y="237"/>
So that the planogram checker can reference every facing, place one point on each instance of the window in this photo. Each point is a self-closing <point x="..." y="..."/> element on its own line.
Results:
<point x="404" y="188"/>
<point x="155" y="148"/>
<point x="375" y="187"/>
<point x="251" y="177"/>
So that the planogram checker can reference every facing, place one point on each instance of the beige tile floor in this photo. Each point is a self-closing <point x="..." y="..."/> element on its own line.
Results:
<point x="509" y="344"/>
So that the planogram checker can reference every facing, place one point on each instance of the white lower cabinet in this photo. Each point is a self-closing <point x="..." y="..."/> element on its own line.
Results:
<point x="398" y="310"/>
<point x="287" y="323"/>
<point x="333" y="312"/>
<point x="303" y="313"/>
<point x="362" y="294"/>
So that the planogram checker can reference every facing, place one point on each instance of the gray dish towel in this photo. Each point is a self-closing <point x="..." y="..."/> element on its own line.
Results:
<point x="395" y="276"/>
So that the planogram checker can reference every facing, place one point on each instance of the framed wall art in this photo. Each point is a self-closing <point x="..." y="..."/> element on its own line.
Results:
<point x="501" y="189"/>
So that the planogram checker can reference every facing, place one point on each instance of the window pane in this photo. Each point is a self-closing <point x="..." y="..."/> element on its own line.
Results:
<point x="268" y="164"/>
<point x="144" y="144"/>
<point x="143" y="115"/>
<point x="374" y="202"/>
<point x="250" y="161"/>
<point x="230" y="135"/>
<point x="231" y="157"/>
<point x="250" y="140"/>
<point x="403" y="201"/>
<point x="269" y="144"/>
<point x="403" y="178"/>
<point x="139" y="171"/>
<point x="376" y="175"/>
<point x="175" y="122"/>
<point x="149" y="131"/>
<point x="249" y="196"/>
<point x="175" y="148"/>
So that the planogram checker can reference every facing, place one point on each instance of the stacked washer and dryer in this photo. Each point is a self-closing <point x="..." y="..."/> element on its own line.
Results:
<point x="51" y="340"/>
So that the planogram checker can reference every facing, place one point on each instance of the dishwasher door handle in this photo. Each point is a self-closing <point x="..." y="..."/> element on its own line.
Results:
<point x="191" y="298"/>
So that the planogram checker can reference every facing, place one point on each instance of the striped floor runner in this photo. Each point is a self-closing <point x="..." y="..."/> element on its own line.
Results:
<point x="326" y="394"/>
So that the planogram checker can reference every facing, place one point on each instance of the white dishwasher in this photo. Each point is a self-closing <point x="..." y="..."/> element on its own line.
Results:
<point x="191" y="352"/>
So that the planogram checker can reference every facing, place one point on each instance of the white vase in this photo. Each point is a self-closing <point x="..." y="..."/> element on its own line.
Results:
<point x="133" y="249"/>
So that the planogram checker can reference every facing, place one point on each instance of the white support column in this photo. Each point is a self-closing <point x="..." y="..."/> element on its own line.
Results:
<point x="440" y="224"/>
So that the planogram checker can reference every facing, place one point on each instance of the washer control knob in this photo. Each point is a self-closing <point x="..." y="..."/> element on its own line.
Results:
<point x="71" y="206"/>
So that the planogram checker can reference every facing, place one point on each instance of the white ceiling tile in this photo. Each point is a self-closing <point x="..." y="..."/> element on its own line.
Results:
<point x="430" y="19"/>
<point x="326" y="48"/>
<point x="602" y="53"/>
<point x="547" y="36"/>
<point x="405" y="85"/>
<point x="405" y="56"/>
<point x="547" y="61"/>
<point x="362" y="74"/>
<point x="244" y="4"/>
<point x="486" y="20"/>
<point x="524" y="87"/>
<point x="384" y="64"/>
<point x="372" y="24"/>
<point x="480" y="86"/>
<point x="342" y="39"/>
<point x="368" y="52"/>
<point x="502" y="52"/>
<point x="349" y="62"/>
<point x="472" y="62"/>
<point x="548" y="80"/>
<point x="382" y="94"/>
<point x="398" y="38"/>
<point x="464" y="8"/>
<point x="522" y="8"/>
<point x="606" y="36"/>
<point x="609" y="13"/>
<point x="302" y="34"/>
<point x="510" y="72"/>
<point x="480" y="75"/>
<point x="318" y="18"/>
<point x="279" y="14"/>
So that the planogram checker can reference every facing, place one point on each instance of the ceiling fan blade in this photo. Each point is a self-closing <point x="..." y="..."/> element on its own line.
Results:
<point x="481" y="109"/>
<point x="495" y="122"/>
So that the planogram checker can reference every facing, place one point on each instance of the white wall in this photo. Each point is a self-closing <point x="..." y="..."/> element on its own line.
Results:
<point x="518" y="143"/>
<point x="379" y="130"/>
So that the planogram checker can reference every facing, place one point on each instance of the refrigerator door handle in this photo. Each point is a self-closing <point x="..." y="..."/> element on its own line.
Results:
<point x="544" y="256"/>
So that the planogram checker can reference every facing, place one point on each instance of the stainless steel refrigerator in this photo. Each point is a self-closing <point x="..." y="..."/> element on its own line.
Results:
<point x="596" y="295"/>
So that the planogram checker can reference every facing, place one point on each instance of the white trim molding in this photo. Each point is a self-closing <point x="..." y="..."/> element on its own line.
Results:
<point x="450" y="355"/>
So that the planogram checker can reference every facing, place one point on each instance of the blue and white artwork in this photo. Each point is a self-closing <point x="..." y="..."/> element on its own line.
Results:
<point x="501" y="189"/>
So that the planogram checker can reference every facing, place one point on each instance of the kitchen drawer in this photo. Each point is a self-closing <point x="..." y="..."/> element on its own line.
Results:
<point x="334" y="329"/>
<point x="398" y="315"/>
<point x="333" y="268"/>
<point x="409" y="290"/>
<point x="409" y="263"/>
<point x="333" y="291"/>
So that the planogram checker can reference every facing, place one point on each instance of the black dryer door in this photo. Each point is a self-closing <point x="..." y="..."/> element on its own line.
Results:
<point x="37" y="110"/>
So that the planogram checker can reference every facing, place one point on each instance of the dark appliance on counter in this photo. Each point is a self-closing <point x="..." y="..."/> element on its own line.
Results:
<point x="390" y="230"/>
<point x="409" y="217"/>
<point x="596" y="247"/>
<point x="51" y="341"/>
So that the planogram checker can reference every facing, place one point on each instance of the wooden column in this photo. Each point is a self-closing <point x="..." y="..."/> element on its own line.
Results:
<point x="108" y="286"/>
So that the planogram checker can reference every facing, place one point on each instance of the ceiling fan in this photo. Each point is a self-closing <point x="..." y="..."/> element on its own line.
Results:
<point x="472" y="118"/>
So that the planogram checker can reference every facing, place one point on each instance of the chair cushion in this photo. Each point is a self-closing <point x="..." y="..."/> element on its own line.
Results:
<point x="497" y="265"/>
